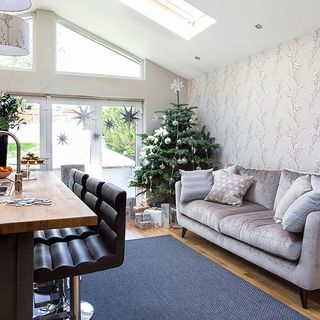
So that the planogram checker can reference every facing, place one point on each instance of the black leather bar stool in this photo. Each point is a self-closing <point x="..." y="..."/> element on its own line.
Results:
<point x="89" y="190"/>
<point x="77" y="182"/>
<point x="97" y="252"/>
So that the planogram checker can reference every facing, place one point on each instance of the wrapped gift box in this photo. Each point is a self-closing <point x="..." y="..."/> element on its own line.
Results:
<point x="155" y="215"/>
<point x="143" y="220"/>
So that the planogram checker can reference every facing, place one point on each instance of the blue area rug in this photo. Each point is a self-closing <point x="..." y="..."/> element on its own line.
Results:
<point x="162" y="278"/>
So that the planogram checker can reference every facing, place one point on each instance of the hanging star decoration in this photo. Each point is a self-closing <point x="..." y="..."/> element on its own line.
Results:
<point x="62" y="139"/>
<point x="108" y="123"/>
<point x="129" y="116"/>
<point x="83" y="115"/>
<point x="96" y="136"/>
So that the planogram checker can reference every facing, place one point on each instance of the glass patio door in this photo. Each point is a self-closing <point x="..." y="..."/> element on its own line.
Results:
<point x="120" y="123"/>
<point x="30" y="133"/>
<point x="71" y="129"/>
<point x="100" y="134"/>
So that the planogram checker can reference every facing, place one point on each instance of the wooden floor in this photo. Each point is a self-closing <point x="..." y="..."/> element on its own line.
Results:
<point x="276" y="287"/>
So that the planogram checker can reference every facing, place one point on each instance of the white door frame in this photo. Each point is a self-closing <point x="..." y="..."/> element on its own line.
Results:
<point x="96" y="123"/>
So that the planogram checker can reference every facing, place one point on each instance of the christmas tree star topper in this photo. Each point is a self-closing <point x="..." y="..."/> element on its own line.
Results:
<point x="176" y="85"/>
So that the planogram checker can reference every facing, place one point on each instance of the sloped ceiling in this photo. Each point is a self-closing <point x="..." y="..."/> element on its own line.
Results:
<point x="232" y="38"/>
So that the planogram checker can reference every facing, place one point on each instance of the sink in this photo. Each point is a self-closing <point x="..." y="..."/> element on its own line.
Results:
<point x="6" y="188"/>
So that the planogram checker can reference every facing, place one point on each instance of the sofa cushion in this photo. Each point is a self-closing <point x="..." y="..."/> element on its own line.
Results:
<point x="300" y="186"/>
<point x="231" y="169"/>
<point x="286" y="179"/>
<point x="195" y="184"/>
<point x="295" y="217"/>
<point x="315" y="182"/>
<point x="259" y="230"/>
<point x="264" y="187"/>
<point x="210" y="213"/>
<point x="229" y="188"/>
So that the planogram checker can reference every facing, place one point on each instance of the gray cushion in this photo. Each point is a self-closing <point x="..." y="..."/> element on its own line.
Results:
<point x="264" y="187"/>
<point x="296" y="216"/>
<point x="315" y="182"/>
<point x="210" y="213"/>
<point x="195" y="184"/>
<point x="286" y="179"/>
<point x="259" y="230"/>
<point x="299" y="187"/>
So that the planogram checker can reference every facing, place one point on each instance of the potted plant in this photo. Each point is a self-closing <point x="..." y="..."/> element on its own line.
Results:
<point x="11" y="109"/>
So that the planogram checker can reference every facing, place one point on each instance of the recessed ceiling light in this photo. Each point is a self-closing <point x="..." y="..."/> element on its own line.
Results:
<point x="176" y="15"/>
<point x="197" y="57"/>
<point x="258" y="26"/>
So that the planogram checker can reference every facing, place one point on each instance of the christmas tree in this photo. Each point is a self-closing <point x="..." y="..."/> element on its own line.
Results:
<point x="177" y="144"/>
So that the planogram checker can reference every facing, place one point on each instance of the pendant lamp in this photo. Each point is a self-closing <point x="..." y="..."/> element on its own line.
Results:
<point x="14" y="35"/>
<point x="14" y="5"/>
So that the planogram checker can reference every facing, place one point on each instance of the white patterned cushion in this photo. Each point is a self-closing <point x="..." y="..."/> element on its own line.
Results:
<point x="229" y="188"/>
<point x="230" y="169"/>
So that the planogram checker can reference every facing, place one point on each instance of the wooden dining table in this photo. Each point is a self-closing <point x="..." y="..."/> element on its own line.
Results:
<point x="17" y="225"/>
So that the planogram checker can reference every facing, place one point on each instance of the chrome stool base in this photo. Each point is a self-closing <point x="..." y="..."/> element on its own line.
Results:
<point x="87" y="310"/>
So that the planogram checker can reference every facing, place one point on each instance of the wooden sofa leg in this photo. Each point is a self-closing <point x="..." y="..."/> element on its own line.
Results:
<point x="303" y="297"/>
<point x="183" y="232"/>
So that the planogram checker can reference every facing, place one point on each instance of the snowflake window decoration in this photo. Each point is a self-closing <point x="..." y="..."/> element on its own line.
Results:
<point x="83" y="115"/>
<point x="96" y="136"/>
<point x="108" y="123"/>
<point x="62" y="139"/>
<point x="129" y="116"/>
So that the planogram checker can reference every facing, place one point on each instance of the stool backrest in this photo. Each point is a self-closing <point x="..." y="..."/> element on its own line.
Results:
<point x="65" y="171"/>
<point x="92" y="194"/>
<point x="113" y="218"/>
<point x="77" y="182"/>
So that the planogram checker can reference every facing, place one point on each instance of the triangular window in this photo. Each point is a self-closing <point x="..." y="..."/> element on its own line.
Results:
<point x="78" y="51"/>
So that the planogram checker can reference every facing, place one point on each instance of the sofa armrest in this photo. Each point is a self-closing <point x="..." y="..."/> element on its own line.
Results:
<point x="178" y="197"/>
<point x="309" y="263"/>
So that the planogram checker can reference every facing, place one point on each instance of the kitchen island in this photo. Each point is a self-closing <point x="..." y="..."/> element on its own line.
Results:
<point x="17" y="225"/>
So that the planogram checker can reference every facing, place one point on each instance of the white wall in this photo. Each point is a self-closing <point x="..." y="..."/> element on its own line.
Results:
<point x="265" y="110"/>
<point x="154" y="90"/>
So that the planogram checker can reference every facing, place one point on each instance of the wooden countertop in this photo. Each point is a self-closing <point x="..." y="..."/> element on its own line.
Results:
<point x="66" y="210"/>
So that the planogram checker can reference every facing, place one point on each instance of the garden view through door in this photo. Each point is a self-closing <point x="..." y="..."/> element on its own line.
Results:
<point x="101" y="135"/>
<point x="119" y="128"/>
<point x="28" y="134"/>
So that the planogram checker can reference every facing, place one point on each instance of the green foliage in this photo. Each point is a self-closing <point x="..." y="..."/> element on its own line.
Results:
<point x="11" y="109"/>
<point x="25" y="148"/>
<point x="189" y="148"/>
<point x="121" y="137"/>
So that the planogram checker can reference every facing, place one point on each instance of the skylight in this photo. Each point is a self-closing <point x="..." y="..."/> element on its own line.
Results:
<point x="175" y="15"/>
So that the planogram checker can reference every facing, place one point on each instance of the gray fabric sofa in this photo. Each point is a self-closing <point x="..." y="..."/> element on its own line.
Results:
<point x="250" y="232"/>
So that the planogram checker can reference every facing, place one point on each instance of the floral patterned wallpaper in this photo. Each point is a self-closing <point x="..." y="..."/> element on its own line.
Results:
<point x="265" y="110"/>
